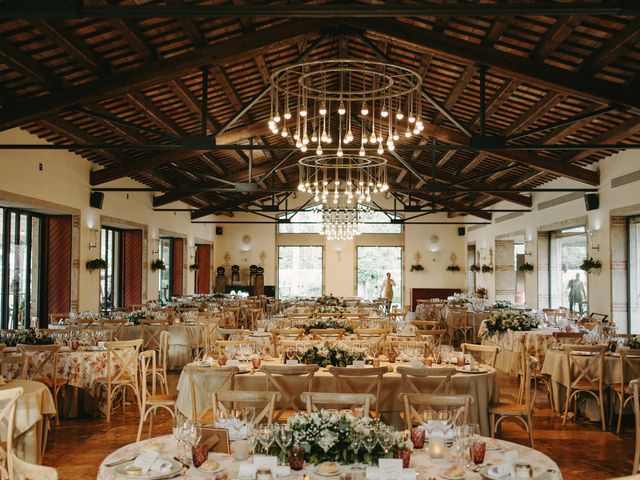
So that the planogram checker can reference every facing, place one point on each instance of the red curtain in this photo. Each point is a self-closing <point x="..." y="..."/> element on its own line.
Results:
<point x="177" y="267"/>
<point x="131" y="267"/>
<point x="58" y="264"/>
<point x="203" y="276"/>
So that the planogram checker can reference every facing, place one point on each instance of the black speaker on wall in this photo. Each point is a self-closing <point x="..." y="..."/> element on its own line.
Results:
<point x="96" y="199"/>
<point x="591" y="201"/>
<point x="461" y="231"/>
<point x="218" y="230"/>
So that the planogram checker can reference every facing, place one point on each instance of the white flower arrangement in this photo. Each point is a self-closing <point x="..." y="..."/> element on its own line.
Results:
<point x="504" y="320"/>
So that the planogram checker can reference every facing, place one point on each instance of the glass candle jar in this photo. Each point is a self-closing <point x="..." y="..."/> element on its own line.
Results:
<point x="296" y="458"/>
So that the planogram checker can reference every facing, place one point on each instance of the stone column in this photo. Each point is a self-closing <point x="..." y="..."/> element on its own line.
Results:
<point x="504" y="270"/>
<point x="619" y="274"/>
<point x="543" y="270"/>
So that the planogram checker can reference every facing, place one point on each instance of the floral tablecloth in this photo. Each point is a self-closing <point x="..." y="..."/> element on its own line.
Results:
<point x="537" y="342"/>
<point x="543" y="467"/>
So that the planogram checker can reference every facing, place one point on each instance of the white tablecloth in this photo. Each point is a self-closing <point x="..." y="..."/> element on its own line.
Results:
<point x="537" y="342"/>
<point x="425" y="467"/>
<point x="32" y="413"/>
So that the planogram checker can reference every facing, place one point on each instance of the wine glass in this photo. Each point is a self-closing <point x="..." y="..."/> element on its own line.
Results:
<point x="283" y="438"/>
<point x="266" y="438"/>
<point x="370" y="443"/>
<point x="386" y="442"/>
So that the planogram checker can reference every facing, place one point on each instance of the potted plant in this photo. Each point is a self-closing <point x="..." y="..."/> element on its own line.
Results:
<point x="481" y="292"/>
<point x="158" y="264"/>
<point x="526" y="267"/>
<point x="453" y="268"/>
<point x="96" y="264"/>
<point x="474" y="268"/>
<point x="486" y="268"/>
<point x="194" y="267"/>
<point x="417" y="268"/>
<point x="590" y="264"/>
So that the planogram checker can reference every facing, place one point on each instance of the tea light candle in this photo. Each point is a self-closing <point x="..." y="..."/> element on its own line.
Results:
<point x="436" y="447"/>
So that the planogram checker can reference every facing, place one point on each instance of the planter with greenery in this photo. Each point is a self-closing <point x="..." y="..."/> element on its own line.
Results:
<point x="526" y="267"/>
<point x="194" y="267"/>
<point x="485" y="268"/>
<point x="96" y="264"/>
<point x="158" y="264"/>
<point x="453" y="268"/>
<point x="474" y="268"/>
<point x="590" y="264"/>
<point x="417" y="268"/>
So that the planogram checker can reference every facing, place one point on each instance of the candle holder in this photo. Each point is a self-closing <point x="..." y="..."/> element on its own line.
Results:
<point x="405" y="455"/>
<point x="417" y="438"/>
<point x="200" y="454"/>
<point x="296" y="458"/>
<point x="436" y="447"/>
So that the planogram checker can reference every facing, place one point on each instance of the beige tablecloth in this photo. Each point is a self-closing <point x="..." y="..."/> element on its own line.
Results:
<point x="181" y="337"/>
<point x="32" y="413"/>
<point x="483" y="387"/>
<point x="425" y="467"/>
<point x="537" y="342"/>
<point x="555" y="365"/>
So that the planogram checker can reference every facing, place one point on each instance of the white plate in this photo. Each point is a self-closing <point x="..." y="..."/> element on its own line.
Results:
<point x="447" y="477"/>
<point x="121" y="473"/>
<point x="316" y="470"/>
<point x="484" y="471"/>
<point x="479" y="370"/>
<point x="210" y="472"/>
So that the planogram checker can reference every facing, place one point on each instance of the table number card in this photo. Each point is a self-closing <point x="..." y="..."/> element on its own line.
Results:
<point x="265" y="461"/>
<point x="292" y="362"/>
<point x="358" y="363"/>
<point x="390" y="468"/>
<point x="233" y="362"/>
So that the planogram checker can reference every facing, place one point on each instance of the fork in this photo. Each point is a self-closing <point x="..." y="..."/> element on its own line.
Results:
<point x="118" y="462"/>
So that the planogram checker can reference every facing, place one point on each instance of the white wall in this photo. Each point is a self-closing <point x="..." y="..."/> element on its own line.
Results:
<point x="64" y="182"/>
<point x="597" y="221"/>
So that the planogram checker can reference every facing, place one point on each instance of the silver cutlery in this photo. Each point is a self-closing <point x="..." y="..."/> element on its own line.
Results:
<point x="118" y="462"/>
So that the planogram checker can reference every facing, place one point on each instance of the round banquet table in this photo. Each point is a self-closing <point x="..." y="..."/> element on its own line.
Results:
<point x="33" y="409"/>
<point x="537" y="342"/>
<point x="483" y="387"/>
<point x="544" y="467"/>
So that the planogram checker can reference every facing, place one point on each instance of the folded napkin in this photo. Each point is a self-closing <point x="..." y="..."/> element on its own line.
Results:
<point x="506" y="467"/>
<point x="161" y="466"/>
<point x="247" y="470"/>
<point x="146" y="460"/>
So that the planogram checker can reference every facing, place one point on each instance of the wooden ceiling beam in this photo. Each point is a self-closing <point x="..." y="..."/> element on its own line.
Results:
<point x="553" y="136"/>
<point x="149" y="109"/>
<point x="469" y="167"/>
<point x="538" y="110"/>
<point x="152" y="73"/>
<point x="452" y="204"/>
<point x="503" y="93"/>
<point x="612" y="48"/>
<point x="24" y="64"/>
<point x="557" y="34"/>
<point x="444" y="159"/>
<point x="190" y="28"/>
<point x="523" y="69"/>
<point x="465" y="77"/>
<point x="128" y="31"/>
<point x="187" y="97"/>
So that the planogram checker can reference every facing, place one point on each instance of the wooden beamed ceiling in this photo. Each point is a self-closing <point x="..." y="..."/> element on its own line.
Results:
<point x="67" y="80"/>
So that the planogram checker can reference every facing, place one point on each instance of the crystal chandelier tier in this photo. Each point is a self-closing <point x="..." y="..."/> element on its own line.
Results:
<point x="345" y="180"/>
<point x="374" y="102"/>
<point x="342" y="222"/>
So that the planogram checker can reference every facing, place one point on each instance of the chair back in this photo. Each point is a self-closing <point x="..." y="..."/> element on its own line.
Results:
<point x="358" y="403"/>
<point x="231" y="333"/>
<point x="414" y="403"/>
<point x="122" y="361"/>
<point x="278" y="334"/>
<point x="585" y="363"/>
<point x="369" y="333"/>
<point x="289" y="381"/>
<point x="8" y="399"/>
<point x="629" y="365"/>
<point x="634" y="385"/>
<point x="117" y="326"/>
<point x="150" y="332"/>
<point x="238" y="399"/>
<point x="425" y="324"/>
<point x="203" y="382"/>
<point x="147" y="365"/>
<point x="568" y="338"/>
<point x="359" y="380"/>
<point x="485" y="354"/>
<point x="28" y="471"/>
<point x="327" y="333"/>
<point x="433" y="336"/>
<point x="40" y="363"/>
<point x="432" y="380"/>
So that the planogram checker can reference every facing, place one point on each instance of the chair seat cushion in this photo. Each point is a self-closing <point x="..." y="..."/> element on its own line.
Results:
<point x="508" y="409"/>
<point x="162" y="399"/>
<point x="585" y="385"/>
<point x="126" y="378"/>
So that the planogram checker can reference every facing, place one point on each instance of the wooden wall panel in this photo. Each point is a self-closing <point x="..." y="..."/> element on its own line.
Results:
<point x="131" y="267"/>
<point x="177" y="268"/>
<point x="203" y="277"/>
<point x="58" y="263"/>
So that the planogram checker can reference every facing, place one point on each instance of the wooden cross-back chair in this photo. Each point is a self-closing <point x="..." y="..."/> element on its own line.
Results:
<point x="280" y="334"/>
<point x="432" y="380"/>
<point x="289" y="381"/>
<point x="315" y="401"/>
<point x="8" y="399"/>
<point x="327" y="333"/>
<point x="360" y="380"/>
<point x="414" y="403"/>
<point x="568" y="338"/>
<point x="485" y="354"/>
<point x="122" y="372"/>
<point x="238" y="399"/>
<point x="160" y="367"/>
<point x="433" y="336"/>
<point x="151" y="400"/>
<point x="420" y="346"/>
<point x="232" y="315"/>
<point x="22" y="470"/>
<point x="117" y="325"/>
<point x="586" y="375"/>
<point x="254" y="316"/>
<point x="40" y="363"/>
<point x="634" y="385"/>
<point x="210" y="334"/>
<point x="203" y="381"/>
<point x="629" y="368"/>
<point x="370" y="333"/>
<point x="458" y="325"/>
<point x="150" y="330"/>
<point x="425" y="324"/>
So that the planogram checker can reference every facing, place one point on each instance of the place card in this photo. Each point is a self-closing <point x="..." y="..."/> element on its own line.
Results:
<point x="416" y="363"/>
<point x="358" y="363"/>
<point x="390" y="468"/>
<point x="292" y="362"/>
<point x="233" y="362"/>
<point x="265" y="461"/>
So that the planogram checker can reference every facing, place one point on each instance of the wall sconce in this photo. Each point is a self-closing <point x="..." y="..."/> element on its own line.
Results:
<point x="595" y="245"/>
<point x="338" y="249"/>
<point x="155" y="250"/>
<point x="94" y="235"/>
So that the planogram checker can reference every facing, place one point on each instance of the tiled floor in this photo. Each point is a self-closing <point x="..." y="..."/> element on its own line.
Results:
<point x="581" y="449"/>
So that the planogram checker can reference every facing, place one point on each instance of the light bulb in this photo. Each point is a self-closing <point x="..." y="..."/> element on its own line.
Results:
<point x="303" y="148"/>
<point x="362" y="152"/>
<point x="384" y="113"/>
<point x="399" y="115"/>
<point x="296" y="136"/>
<point x="416" y="131"/>
<point x="319" y="150"/>
<point x="364" y="110"/>
<point x="276" y="118"/>
<point x="287" y="115"/>
<point x="271" y="124"/>
<point x="305" y="139"/>
<point x="407" y="133"/>
<point x="373" y="138"/>
<point x="303" y="112"/>
<point x="298" y="143"/>
<point x="339" y="152"/>
<point x="364" y="138"/>
<point x="285" y="132"/>
<point x="421" y="127"/>
<point x="314" y="137"/>
<point x="274" y="130"/>
<point x="301" y="187"/>
<point x="380" y="150"/>
<point x="323" y="137"/>
<point x="341" y="109"/>
<point x="395" y="136"/>
<point x="329" y="138"/>
<point x="411" y="118"/>
<point x="323" y="109"/>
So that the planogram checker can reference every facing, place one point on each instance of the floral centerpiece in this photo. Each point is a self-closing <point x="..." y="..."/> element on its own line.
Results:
<point x="330" y="309"/>
<point x="459" y="300"/>
<point x="329" y="436"/>
<point x="329" y="301"/>
<point x="136" y="315"/>
<point x="27" y="336"/>
<point x="633" y="342"/>
<point x="500" y="322"/>
<point x="333" y="354"/>
<point x="503" y="304"/>
<point x="325" y="323"/>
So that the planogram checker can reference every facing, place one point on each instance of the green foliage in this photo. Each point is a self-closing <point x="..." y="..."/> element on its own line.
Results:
<point x="332" y="354"/>
<point x="502" y="321"/>
<point x="158" y="264"/>
<point x="327" y="323"/>
<point x="474" y="268"/>
<point x="525" y="267"/>
<point x="486" y="268"/>
<point x="96" y="264"/>
<point x="28" y="336"/>
<point x="453" y="268"/>
<point x="633" y="342"/>
<point x="590" y="264"/>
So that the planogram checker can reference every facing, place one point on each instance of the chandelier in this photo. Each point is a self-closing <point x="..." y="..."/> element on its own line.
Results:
<point x="374" y="103"/>
<point x="342" y="223"/>
<point x="346" y="179"/>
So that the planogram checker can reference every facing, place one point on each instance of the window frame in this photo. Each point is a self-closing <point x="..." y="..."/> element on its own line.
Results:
<point x="323" y="260"/>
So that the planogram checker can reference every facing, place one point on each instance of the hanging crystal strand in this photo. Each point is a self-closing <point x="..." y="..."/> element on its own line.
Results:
<point x="329" y="138"/>
<point x="339" y="153"/>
